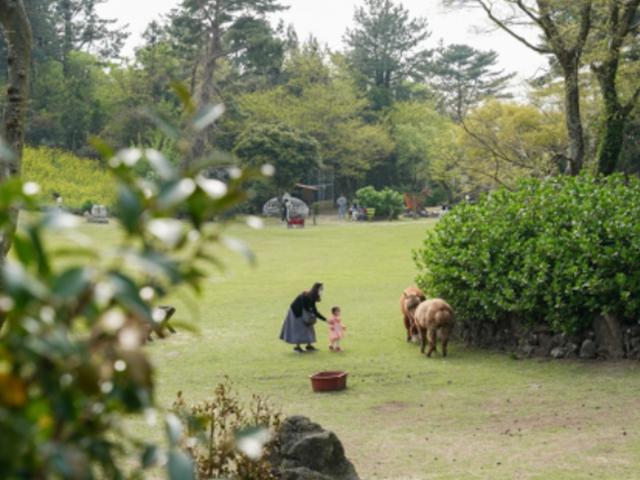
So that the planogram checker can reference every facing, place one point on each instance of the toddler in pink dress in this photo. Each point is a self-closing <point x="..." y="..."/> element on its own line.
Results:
<point x="336" y="330"/>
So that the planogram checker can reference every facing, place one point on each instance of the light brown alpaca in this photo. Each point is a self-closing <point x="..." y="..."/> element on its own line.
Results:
<point x="431" y="316"/>
<point x="409" y="300"/>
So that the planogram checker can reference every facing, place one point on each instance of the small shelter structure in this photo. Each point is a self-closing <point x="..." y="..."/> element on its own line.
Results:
<point x="297" y="209"/>
<point x="309" y="192"/>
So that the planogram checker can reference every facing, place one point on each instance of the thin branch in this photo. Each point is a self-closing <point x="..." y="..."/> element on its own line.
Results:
<point x="500" y="23"/>
<point x="632" y="103"/>
<point x="495" y="150"/>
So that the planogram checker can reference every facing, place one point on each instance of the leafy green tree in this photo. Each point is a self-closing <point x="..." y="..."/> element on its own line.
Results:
<point x="416" y="129"/>
<point x="260" y="51"/>
<point x="137" y="92"/>
<point x="71" y="44"/>
<point x="45" y="44"/>
<point x="208" y="31"/>
<point x="615" y="32"/>
<point x="609" y="91"/>
<point x="504" y="142"/>
<point x="305" y="67"/>
<point x="322" y="100"/>
<point x="80" y="28"/>
<point x="386" y="49"/>
<point x="67" y="109"/>
<point x="565" y="28"/>
<point x="63" y="26"/>
<point x="463" y="76"/>
<point x="292" y="152"/>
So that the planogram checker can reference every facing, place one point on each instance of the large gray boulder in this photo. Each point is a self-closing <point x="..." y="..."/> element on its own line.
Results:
<point x="588" y="349"/>
<point x="609" y="335"/>
<point x="305" y="451"/>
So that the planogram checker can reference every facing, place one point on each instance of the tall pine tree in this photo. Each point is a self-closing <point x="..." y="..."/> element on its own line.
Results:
<point x="386" y="48"/>
<point x="80" y="28"/>
<point x="463" y="76"/>
<point x="204" y="29"/>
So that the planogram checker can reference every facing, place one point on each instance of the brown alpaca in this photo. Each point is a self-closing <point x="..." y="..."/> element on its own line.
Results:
<point x="431" y="316"/>
<point x="410" y="299"/>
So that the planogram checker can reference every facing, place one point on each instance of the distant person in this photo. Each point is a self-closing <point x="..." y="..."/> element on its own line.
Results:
<point x="58" y="199"/>
<point x="342" y="207"/>
<point x="354" y="212"/>
<point x="336" y="330"/>
<point x="286" y="210"/>
<point x="301" y="317"/>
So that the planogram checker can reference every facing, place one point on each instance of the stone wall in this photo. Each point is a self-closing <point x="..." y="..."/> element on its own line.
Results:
<point x="608" y="339"/>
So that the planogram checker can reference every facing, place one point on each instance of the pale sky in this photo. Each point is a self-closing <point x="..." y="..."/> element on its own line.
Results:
<point x="328" y="19"/>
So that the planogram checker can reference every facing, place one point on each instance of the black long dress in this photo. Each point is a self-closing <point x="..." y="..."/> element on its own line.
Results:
<point x="294" y="330"/>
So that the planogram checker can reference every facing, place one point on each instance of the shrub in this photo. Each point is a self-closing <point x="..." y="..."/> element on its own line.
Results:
<point x="225" y="437"/>
<point x="388" y="203"/>
<point x="79" y="181"/>
<point x="557" y="251"/>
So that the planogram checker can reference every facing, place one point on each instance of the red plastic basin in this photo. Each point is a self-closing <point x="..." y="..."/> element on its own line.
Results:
<point x="328" y="381"/>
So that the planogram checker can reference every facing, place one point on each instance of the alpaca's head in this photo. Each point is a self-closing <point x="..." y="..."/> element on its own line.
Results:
<point x="411" y="302"/>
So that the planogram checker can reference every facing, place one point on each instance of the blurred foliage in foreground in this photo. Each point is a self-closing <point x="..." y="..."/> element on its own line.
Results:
<point x="71" y="333"/>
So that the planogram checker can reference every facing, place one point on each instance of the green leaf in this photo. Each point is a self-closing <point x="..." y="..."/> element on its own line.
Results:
<point x="17" y="281"/>
<point x="126" y="292"/>
<point x="206" y="116"/>
<point x="150" y="456"/>
<point x="71" y="283"/>
<point x="129" y="208"/>
<point x="24" y="250"/>
<point x="240" y="247"/>
<point x="160" y="164"/>
<point x="169" y="231"/>
<point x="184" y="95"/>
<point x="174" y="193"/>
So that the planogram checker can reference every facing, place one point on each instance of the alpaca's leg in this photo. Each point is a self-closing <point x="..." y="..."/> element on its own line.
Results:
<point x="445" y="340"/>
<point x="408" y="325"/>
<point x="415" y="332"/>
<point x="423" y="338"/>
<point x="431" y="333"/>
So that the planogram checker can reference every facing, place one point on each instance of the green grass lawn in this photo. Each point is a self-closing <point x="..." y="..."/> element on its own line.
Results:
<point x="475" y="414"/>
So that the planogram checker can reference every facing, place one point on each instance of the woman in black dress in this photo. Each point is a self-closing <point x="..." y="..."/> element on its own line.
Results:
<point x="298" y="324"/>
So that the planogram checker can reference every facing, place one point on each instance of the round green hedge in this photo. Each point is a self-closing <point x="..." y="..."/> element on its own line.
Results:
<point x="387" y="202"/>
<point x="556" y="251"/>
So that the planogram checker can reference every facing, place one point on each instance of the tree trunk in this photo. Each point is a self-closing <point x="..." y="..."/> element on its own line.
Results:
<point x="17" y="36"/>
<point x="67" y="42"/>
<point x="206" y="90"/>
<point x="573" y="119"/>
<point x="204" y="97"/>
<point x="619" y="24"/>
<point x="615" y="115"/>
